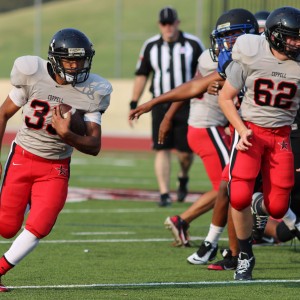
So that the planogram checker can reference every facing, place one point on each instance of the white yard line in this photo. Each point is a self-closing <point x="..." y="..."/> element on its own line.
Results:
<point x="153" y="284"/>
<point x="110" y="211"/>
<point x="103" y="233"/>
<point x="110" y="241"/>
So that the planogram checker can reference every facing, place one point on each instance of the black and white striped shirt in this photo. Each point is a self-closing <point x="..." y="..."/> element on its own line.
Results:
<point x="171" y="63"/>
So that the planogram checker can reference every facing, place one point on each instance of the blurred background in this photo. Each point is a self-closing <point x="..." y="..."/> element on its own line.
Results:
<point x="117" y="29"/>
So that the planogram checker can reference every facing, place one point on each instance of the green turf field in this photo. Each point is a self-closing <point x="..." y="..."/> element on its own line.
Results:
<point x="120" y="250"/>
<point x="117" y="28"/>
<point x="129" y="170"/>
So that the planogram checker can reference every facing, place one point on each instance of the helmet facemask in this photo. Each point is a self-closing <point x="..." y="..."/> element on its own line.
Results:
<point x="278" y="40"/>
<point x="214" y="50"/>
<point x="224" y="37"/>
<point x="230" y="25"/>
<point x="227" y="34"/>
<point x="71" y="75"/>
<point x="70" y="55"/>
<point x="282" y="29"/>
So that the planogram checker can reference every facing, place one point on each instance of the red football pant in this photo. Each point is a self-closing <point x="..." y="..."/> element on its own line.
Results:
<point x="212" y="146"/>
<point x="271" y="153"/>
<point x="225" y="173"/>
<point x="30" y="179"/>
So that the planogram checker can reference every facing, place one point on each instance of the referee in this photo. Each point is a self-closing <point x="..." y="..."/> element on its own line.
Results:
<point x="171" y="57"/>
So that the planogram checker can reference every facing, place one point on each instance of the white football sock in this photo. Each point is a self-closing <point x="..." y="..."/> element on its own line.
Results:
<point x="21" y="246"/>
<point x="214" y="234"/>
<point x="289" y="219"/>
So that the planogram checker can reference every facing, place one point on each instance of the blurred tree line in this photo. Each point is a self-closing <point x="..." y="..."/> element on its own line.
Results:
<point x="15" y="4"/>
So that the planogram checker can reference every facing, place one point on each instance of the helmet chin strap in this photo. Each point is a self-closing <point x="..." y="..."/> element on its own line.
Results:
<point x="66" y="77"/>
<point x="70" y="79"/>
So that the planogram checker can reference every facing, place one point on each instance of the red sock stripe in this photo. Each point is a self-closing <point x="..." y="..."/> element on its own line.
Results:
<point x="4" y="265"/>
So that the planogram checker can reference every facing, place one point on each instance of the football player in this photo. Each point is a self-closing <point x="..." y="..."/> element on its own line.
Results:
<point x="199" y="85"/>
<point x="269" y="68"/>
<point x="228" y="27"/>
<point x="37" y="170"/>
<point x="223" y="39"/>
<point x="261" y="17"/>
<point x="207" y="138"/>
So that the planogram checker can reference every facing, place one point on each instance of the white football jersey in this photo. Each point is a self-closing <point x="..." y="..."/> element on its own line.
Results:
<point x="37" y="93"/>
<point x="205" y="112"/>
<point x="272" y="86"/>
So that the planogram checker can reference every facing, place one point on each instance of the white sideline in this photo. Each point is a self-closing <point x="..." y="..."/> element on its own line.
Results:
<point x="110" y="241"/>
<point x="154" y="284"/>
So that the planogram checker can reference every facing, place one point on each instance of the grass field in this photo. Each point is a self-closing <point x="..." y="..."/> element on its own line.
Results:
<point x="128" y="170"/>
<point x="117" y="28"/>
<point x="112" y="30"/>
<point x="120" y="250"/>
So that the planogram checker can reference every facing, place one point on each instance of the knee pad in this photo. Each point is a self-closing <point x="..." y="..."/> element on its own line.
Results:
<point x="283" y="232"/>
<point x="7" y="231"/>
<point x="277" y="209"/>
<point x="240" y="198"/>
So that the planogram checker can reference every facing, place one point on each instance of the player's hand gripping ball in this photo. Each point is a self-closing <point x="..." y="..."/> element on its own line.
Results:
<point x="77" y="121"/>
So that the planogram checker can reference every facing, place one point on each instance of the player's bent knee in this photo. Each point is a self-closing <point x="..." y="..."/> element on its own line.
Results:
<point x="240" y="200"/>
<point x="279" y="202"/>
<point x="277" y="214"/>
<point x="7" y="231"/>
<point x="277" y="211"/>
<point x="240" y="193"/>
<point x="38" y="232"/>
<point x="240" y="203"/>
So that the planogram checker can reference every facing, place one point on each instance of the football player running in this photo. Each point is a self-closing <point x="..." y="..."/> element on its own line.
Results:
<point x="229" y="26"/>
<point x="206" y="135"/>
<point x="289" y="227"/>
<point x="37" y="170"/>
<point x="269" y="68"/>
<point x="223" y="38"/>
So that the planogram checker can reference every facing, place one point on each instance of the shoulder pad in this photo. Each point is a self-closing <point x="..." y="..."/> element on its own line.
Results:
<point x="24" y="70"/>
<point x="104" y="103"/>
<point x="247" y="47"/>
<point x="101" y="85"/>
<point x="206" y="64"/>
<point x="101" y="88"/>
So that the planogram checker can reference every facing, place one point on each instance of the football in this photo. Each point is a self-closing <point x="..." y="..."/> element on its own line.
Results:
<point x="77" y="121"/>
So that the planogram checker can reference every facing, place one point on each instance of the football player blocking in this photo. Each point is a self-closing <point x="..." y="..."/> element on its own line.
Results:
<point x="280" y="50"/>
<point x="268" y="66"/>
<point x="39" y="158"/>
<point x="223" y="37"/>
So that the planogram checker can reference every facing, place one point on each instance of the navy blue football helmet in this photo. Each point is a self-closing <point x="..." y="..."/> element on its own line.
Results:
<point x="282" y="23"/>
<point x="261" y="17"/>
<point x="71" y="44"/>
<point x="229" y="26"/>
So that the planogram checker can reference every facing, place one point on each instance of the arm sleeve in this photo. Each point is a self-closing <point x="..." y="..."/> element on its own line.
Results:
<point x="18" y="96"/>
<point x="105" y="101"/>
<point x="235" y="75"/>
<point x="94" y="117"/>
